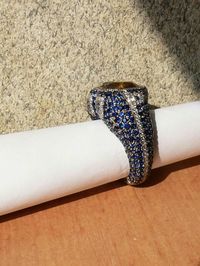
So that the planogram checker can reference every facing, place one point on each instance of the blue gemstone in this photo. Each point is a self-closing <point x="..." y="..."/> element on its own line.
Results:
<point x="116" y="108"/>
<point x="121" y="125"/>
<point x="117" y="119"/>
<point x="127" y="126"/>
<point x="108" y="110"/>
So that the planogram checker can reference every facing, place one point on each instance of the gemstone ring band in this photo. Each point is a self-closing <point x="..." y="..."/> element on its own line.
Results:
<point x="124" y="108"/>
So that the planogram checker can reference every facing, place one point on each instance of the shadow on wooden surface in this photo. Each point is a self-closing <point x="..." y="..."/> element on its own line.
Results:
<point x="158" y="175"/>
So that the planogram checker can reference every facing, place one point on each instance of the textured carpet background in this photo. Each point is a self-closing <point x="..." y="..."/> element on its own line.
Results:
<point x="53" y="52"/>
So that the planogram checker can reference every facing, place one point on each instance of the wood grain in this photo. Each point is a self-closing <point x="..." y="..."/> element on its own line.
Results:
<point x="115" y="224"/>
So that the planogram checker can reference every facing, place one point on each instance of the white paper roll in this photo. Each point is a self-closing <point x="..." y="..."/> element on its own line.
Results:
<point x="45" y="164"/>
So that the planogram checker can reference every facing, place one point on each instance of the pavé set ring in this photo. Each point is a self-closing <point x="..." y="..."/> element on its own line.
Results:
<point x="124" y="108"/>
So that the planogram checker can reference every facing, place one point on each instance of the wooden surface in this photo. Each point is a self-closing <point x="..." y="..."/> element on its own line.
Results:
<point x="115" y="224"/>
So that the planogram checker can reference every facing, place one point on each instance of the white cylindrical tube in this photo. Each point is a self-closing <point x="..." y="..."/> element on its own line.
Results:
<point x="45" y="164"/>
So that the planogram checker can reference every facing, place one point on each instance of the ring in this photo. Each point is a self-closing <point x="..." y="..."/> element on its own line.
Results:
<point x="124" y="108"/>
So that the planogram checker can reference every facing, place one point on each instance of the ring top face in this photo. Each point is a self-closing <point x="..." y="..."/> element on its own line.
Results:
<point x="119" y="85"/>
<point x="123" y="106"/>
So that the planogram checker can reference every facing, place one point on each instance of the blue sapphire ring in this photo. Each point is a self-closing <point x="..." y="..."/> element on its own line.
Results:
<point x="124" y="108"/>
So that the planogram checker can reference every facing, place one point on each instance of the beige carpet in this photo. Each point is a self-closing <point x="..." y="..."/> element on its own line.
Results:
<point x="53" y="52"/>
